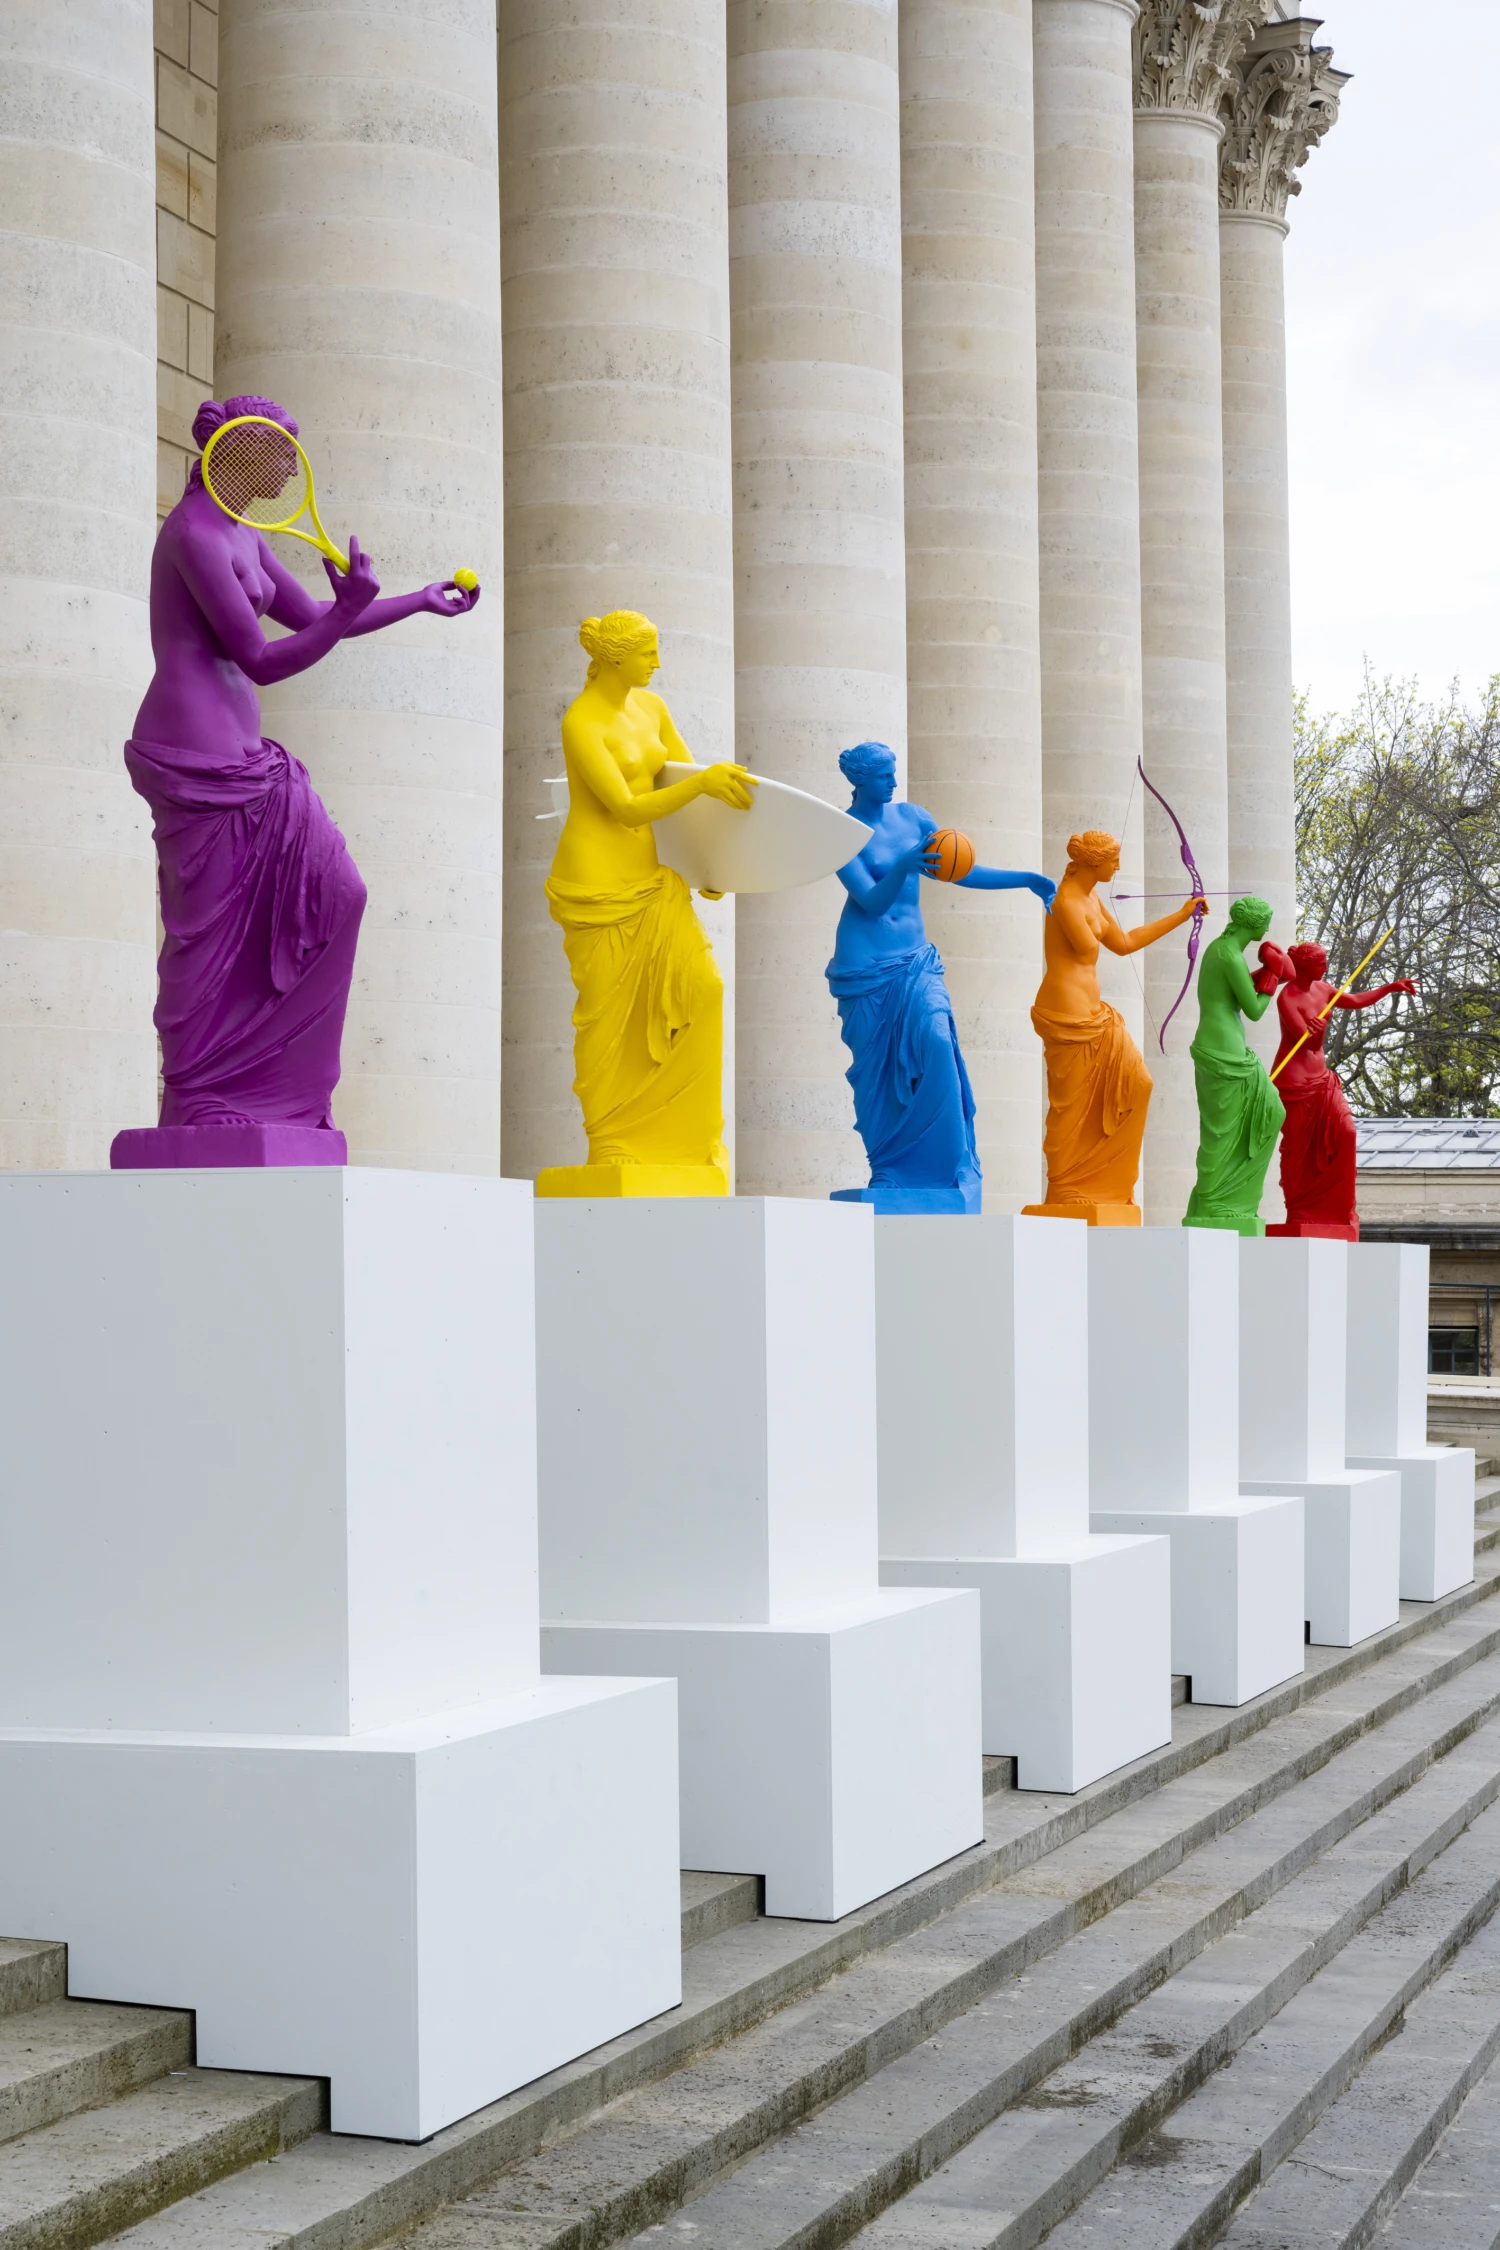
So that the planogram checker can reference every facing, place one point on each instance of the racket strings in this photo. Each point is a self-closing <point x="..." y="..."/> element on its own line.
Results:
<point x="254" y="471"/>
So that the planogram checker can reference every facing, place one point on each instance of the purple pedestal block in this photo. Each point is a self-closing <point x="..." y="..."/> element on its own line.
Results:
<point x="186" y="1148"/>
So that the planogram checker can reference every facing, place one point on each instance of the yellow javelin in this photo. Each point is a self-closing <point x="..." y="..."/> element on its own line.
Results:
<point x="1333" y="1003"/>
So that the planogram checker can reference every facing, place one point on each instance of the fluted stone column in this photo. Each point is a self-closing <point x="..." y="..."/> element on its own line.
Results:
<point x="1281" y="99"/>
<point x="1183" y="52"/>
<point x="820" y="626"/>
<point x="78" y="338"/>
<point x="617" y="450"/>
<point x="973" y="657"/>
<point x="1088" y="480"/>
<point x="359" y="284"/>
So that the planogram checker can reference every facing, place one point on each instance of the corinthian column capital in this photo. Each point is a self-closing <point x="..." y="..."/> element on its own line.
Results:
<point x="1185" y="52"/>
<point x="1280" y="98"/>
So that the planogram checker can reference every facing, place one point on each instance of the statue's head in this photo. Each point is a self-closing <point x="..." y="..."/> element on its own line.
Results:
<point x="870" y="766"/>
<point x="625" y="640"/>
<point x="1249" y="918"/>
<point x="214" y="413"/>
<point x="1095" y="853"/>
<point x="1309" y="961"/>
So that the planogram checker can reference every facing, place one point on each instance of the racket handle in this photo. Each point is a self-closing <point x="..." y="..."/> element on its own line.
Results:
<point x="467" y="579"/>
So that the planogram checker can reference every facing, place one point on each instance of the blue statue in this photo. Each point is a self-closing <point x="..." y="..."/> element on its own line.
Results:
<point x="913" y="1103"/>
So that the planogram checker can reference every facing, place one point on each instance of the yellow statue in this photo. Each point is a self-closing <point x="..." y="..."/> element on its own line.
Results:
<point x="1098" y="1088"/>
<point x="649" y="1025"/>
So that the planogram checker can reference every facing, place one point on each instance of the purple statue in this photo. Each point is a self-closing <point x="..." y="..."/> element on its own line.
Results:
<point x="260" y="901"/>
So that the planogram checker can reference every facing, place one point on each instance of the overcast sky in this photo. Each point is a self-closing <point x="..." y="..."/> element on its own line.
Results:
<point x="1393" y="315"/>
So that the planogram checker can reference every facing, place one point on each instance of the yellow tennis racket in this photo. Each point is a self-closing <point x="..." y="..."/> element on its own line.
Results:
<point x="259" y="474"/>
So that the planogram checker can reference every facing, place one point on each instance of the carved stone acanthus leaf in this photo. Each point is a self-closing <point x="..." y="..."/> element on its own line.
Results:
<point x="1281" y="97"/>
<point x="1185" y="51"/>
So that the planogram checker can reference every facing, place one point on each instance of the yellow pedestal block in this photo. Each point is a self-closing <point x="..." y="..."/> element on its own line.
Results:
<point x="632" y="1179"/>
<point x="1092" y="1214"/>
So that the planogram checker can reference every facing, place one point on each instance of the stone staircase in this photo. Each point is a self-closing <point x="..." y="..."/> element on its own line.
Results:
<point x="1246" y="1991"/>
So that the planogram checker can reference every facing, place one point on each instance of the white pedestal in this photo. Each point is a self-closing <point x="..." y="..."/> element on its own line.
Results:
<point x="1075" y="1660"/>
<point x="1386" y="1424"/>
<point x="1293" y="1317"/>
<point x="838" y="1756"/>
<point x="274" y="1743"/>
<point x="706" y="1377"/>
<point x="1164" y="1454"/>
<point x="983" y="1431"/>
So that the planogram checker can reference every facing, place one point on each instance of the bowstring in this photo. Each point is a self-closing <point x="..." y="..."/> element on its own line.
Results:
<point x="1134" y="959"/>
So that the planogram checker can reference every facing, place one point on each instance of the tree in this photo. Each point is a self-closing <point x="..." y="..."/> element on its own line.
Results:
<point x="1398" y="822"/>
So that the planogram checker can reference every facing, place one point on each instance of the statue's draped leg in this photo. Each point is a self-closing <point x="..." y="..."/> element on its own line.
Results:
<point x="1239" y="1117"/>
<point x="1098" y="1092"/>
<point x="648" y="1028"/>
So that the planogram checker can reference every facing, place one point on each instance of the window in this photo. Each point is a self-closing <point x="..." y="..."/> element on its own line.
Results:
<point x="1453" y="1351"/>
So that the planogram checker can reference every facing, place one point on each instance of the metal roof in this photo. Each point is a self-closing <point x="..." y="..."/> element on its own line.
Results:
<point x="1428" y="1144"/>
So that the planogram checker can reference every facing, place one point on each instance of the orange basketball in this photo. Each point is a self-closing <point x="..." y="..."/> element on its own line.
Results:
<point x="955" y="854"/>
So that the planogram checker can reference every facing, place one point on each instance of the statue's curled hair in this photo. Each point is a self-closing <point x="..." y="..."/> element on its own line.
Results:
<point x="865" y="762"/>
<point x="610" y="639"/>
<point x="1314" y="957"/>
<point x="1253" y="914"/>
<point x="214" y="413"/>
<point x="1093" y="850"/>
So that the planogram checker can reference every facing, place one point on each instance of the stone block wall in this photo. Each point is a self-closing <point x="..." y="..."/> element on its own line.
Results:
<point x="187" y="137"/>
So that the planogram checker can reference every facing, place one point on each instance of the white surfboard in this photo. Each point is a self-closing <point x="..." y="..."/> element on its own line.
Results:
<point x="786" y="838"/>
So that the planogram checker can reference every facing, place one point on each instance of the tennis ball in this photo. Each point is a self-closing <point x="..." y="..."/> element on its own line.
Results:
<point x="468" y="579"/>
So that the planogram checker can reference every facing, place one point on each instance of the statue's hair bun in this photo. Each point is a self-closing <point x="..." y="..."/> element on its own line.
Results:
<point x="212" y="414"/>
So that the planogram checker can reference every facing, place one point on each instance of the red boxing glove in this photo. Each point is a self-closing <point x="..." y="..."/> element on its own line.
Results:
<point x="1275" y="969"/>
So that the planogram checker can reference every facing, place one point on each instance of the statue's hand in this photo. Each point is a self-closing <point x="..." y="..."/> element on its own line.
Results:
<point x="920" y="859"/>
<point x="1044" y="888"/>
<point x="731" y="784"/>
<point x="355" y="588"/>
<point x="448" y="599"/>
<point x="1191" y="907"/>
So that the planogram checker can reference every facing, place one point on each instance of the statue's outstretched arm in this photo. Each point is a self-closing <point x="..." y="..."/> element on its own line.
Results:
<point x="1116" y="940"/>
<point x="1009" y="879"/>
<point x="1380" y="992"/>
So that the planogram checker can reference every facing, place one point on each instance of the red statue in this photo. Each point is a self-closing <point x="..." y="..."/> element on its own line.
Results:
<point x="1317" y="1140"/>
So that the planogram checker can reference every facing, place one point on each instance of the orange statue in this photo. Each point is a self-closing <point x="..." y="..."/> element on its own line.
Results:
<point x="1098" y="1088"/>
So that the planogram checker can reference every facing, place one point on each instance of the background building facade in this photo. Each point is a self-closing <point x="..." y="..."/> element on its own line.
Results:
<point x="919" y="368"/>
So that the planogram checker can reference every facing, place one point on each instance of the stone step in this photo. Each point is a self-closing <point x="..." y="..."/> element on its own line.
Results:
<point x="852" y="2160"/>
<point x="74" y="2183"/>
<point x="1021" y="2176"/>
<point x="911" y="1965"/>
<point x="1344" y="2179"/>
<point x="1180" y="2186"/>
<point x="712" y="1903"/>
<point x="72" y="2054"/>
<point x="1454" y="2201"/>
<point x="31" y="1974"/>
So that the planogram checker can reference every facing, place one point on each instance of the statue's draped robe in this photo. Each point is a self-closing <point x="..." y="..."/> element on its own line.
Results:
<point x="1239" y="1117"/>
<point x="648" y="1026"/>
<point x="913" y="1104"/>
<point x="1098" y="1092"/>
<point x="1318" y="1151"/>
<point x="260" y="908"/>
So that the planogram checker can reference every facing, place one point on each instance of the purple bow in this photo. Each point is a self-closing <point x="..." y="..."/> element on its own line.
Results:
<point x="1196" y="932"/>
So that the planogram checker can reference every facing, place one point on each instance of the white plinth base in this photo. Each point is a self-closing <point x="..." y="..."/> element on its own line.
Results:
<point x="1352" y="1550"/>
<point x="1437" y="1517"/>
<point x="1077" y="1663"/>
<point x="421" y="1914"/>
<point x="1237" y="1606"/>
<point x="837" y="1757"/>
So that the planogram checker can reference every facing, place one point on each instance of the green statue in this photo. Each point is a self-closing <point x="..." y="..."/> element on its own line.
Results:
<point x="1239" y="1110"/>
